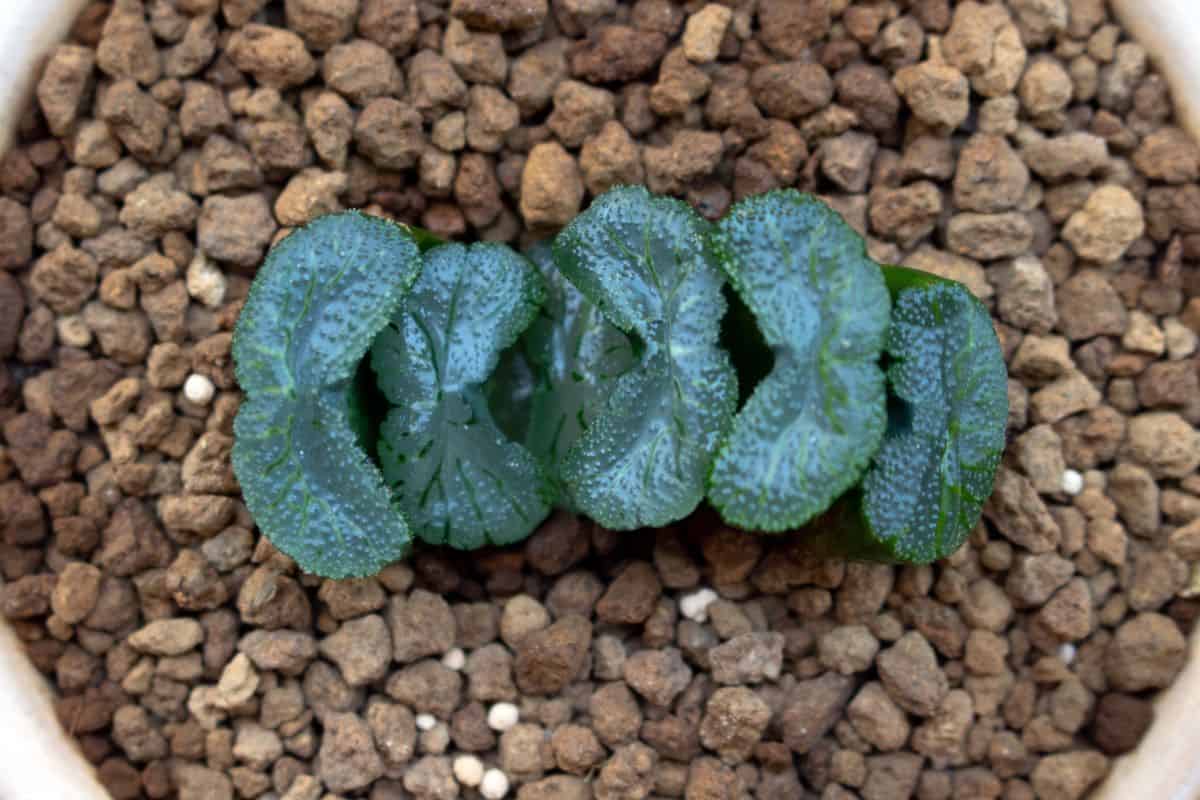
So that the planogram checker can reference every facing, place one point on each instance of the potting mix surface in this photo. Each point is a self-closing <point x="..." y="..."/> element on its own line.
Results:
<point x="1025" y="148"/>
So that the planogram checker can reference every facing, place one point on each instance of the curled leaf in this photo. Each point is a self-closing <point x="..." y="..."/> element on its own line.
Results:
<point x="458" y="479"/>
<point x="575" y="357"/>
<point x="319" y="299"/>
<point x="648" y="430"/>
<point x="936" y="467"/>
<point x="808" y="430"/>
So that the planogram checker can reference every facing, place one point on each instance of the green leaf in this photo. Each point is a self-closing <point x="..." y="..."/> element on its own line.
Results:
<point x="946" y="422"/>
<point x="458" y="479"/>
<point x="312" y="489"/>
<point x="810" y="427"/>
<point x="575" y="356"/>
<point x="424" y="239"/>
<point x="640" y="459"/>
<point x="319" y="299"/>
<point x="510" y="393"/>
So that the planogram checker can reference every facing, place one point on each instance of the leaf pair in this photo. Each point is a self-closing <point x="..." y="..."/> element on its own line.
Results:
<point x="319" y="299"/>
<point x="624" y="389"/>
<point x="633" y="391"/>
<point x="435" y="326"/>
<point x="925" y="445"/>
<point x="457" y="478"/>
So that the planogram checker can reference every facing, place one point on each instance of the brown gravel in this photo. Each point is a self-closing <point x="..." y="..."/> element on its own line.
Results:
<point x="1022" y="147"/>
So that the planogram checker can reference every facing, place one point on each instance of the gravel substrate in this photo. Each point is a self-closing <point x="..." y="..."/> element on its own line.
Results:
<point x="1025" y="148"/>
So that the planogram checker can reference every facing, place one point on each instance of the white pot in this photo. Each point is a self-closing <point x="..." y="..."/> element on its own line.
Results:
<point x="40" y="761"/>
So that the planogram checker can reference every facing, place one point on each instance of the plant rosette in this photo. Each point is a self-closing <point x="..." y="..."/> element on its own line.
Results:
<point x="864" y="405"/>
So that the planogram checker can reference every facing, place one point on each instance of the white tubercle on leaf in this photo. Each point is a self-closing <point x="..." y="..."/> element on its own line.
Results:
<point x="694" y="606"/>
<point x="494" y="785"/>
<point x="199" y="389"/>
<point x="503" y="716"/>
<point x="468" y="770"/>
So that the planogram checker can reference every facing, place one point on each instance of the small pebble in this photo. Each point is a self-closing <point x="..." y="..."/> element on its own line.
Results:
<point x="205" y="282"/>
<point x="1181" y="341"/>
<point x="73" y="331"/>
<point x="468" y="770"/>
<point x="199" y="389"/>
<point x="694" y="606"/>
<point x="1072" y="482"/>
<point x="503" y="716"/>
<point x="454" y="659"/>
<point x="435" y="740"/>
<point x="426" y="722"/>
<point x="494" y="784"/>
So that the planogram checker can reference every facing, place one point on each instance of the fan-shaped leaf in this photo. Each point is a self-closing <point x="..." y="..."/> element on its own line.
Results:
<point x="574" y="357"/>
<point x="643" y="452"/>
<point x="945" y="435"/>
<point x="810" y="427"/>
<point x="319" y="299"/>
<point x="455" y="475"/>
<point x="947" y="411"/>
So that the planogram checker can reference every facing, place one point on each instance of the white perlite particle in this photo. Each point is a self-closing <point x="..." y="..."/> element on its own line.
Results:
<point x="503" y="716"/>
<point x="198" y="389"/>
<point x="1072" y="482"/>
<point x="426" y="722"/>
<point x="694" y="606"/>
<point x="1066" y="652"/>
<point x="454" y="659"/>
<point x="494" y="784"/>
<point x="468" y="770"/>
<point x="205" y="282"/>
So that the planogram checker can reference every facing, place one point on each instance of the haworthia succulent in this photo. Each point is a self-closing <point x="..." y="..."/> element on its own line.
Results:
<point x="594" y="376"/>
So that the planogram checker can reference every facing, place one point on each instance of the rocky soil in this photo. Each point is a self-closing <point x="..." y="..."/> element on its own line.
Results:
<point x="1025" y="147"/>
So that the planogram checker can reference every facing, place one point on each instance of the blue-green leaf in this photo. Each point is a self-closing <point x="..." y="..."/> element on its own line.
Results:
<point x="319" y="299"/>
<point x="312" y="489"/>
<point x="924" y="491"/>
<point x="510" y="392"/>
<point x="459" y="480"/>
<point x="575" y="356"/>
<point x="642" y="453"/>
<point x="810" y="427"/>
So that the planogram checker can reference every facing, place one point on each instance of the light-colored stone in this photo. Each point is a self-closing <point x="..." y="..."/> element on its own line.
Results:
<point x="703" y="33"/>
<point x="1108" y="223"/>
